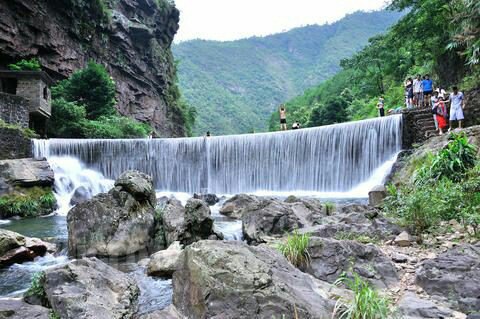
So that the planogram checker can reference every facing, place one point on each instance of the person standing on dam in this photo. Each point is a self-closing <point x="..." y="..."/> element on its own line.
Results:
<point x="283" y="118"/>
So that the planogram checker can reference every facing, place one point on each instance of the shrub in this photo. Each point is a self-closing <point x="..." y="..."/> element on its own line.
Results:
<point x="30" y="202"/>
<point x="367" y="303"/>
<point x="67" y="119"/>
<point x="36" y="288"/>
<point x="295" y="249"/>
<point x="329" y="208"/>
<point x="115" y="127"/>
<point x="26" y="65"/>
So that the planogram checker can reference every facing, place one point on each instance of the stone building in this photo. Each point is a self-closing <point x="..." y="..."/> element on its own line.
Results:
<point x="25" y="99"/>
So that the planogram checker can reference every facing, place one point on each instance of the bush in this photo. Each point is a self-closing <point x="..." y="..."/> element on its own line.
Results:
<point x="26" y="65"/>
<point x="91" y="87"/>
<point x="367" y="303"/>
<point x="30" y="202"/>
<point x="329" y="208"/>
<point x="36" y="289"/>
<point x="115" y="127"/>
<point x="295" y="249"/>
<point x="67" y="119"/>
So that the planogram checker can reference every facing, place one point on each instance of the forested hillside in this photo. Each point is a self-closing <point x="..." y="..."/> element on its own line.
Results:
<point x="236" y="85"/>
<point x="436" y="37"/>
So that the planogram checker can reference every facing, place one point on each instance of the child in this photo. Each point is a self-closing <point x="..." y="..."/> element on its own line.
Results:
<point x="441" y="114"/>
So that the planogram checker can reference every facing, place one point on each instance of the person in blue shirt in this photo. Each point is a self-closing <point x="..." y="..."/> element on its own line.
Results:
<point x="427" y="84"/>
<point x="457" y="104"/>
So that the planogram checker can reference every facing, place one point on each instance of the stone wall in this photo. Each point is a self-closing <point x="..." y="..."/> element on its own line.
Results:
<point x="14" y="109"/>
<point x="14" y="144"/>
<point x="33" y="90"/>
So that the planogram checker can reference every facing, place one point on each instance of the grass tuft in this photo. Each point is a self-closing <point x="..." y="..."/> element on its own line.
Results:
<point x="295" y="249"/>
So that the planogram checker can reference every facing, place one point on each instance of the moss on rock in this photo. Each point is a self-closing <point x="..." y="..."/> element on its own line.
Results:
<point x="28" y="202"/>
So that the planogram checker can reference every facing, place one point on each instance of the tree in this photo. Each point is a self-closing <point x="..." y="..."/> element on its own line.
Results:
<point x="92" y="87"/>
<point x="67" y="119"/>
<point x="334" y="111"/>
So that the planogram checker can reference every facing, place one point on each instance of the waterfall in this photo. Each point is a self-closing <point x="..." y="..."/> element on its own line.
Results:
<point x="334" y="158"/>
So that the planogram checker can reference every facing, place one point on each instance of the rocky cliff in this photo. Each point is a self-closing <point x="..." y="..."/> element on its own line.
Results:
<point x="131" y="38"/>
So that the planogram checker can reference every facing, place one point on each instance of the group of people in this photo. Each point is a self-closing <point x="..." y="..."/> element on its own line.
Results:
<point x="283" y="120"/>
<point x="418" y="91"/>
<point x="442" y="114"/>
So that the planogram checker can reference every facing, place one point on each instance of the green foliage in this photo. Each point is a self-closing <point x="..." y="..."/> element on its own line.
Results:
<point x="26" y="65"/>
<point x="334" y="111"/>
<point x="445" y="187"/>
<point x="236" y="85"/>
<point x="26" y="132"/>
<point x="28" y="202"/>
<point x="452" y="162"/>
<point x="83" y="107"/>
<point x="53" y="315"/>
<point x="367" y="303"/>
<point x="361" y="238"/>
<point x="295" y="249"/>
<point x="329" y="208"/>
<point x="91" y="87"/>
<point x="36" y="288"/>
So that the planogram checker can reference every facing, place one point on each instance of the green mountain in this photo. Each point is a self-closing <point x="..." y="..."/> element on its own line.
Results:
<point x="236" y="85"/>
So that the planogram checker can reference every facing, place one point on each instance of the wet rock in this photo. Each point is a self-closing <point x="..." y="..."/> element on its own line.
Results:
<point x="163" y="263"/>
<point x="210" y="199"/>
<point x="403" y="239"/>
<point x="90" y="289"/>
<point x="330" y="258"/>
<point x="453" y="276"/>
<point x="377" y="195"/>
<point x="18" y="309"/>
<point x="16" y="249"/>
<point x="268" y="218"/>
<point x="115" y="224"/>
<point x="219" y="279"/>
<point x="168" y="313"/>
<point x="81" y="194"/>
<point x="413" y="307"/>
<point x="187" y="224"/>
<point x="26" y="172"/>
<point x="233" y="207"/>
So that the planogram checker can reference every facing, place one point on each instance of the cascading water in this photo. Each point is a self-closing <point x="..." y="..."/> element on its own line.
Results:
<point x="334" y="158"/>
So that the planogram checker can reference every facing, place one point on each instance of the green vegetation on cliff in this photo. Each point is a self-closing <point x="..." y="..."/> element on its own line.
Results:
<point x="236" y="85"/>
<point x="83" y="107"/>
<point x="444" y="186"/>
<point x="28" y="202"/>
<point x="436" y="37"/>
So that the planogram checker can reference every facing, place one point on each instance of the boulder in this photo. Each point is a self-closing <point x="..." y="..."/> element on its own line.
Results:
<point x="16" y="249"/>
<point x="26" y="172"/>
<point x="330" y="258"/>
<point x="163" y="263"/>
<point x="89" y="288"/>
<point x="403" y="239"/>
<point x="377" y="195"/>
<point x="115" y="224"/>
<point x="266" y="218"/>
<point x="210" y="199"/>
<point x="168" y="313"/>
<point x="354" y="224"/>
<point x="227" y="279"/>
<point x="81" y="194"/>
<point x="189" y="224"/>
<point x="233" y="207"/>
<point x="454" y="277"/>
<point x="18" y="309"/>
<point x="411" y="306"/>
<point x="10" y="240"/>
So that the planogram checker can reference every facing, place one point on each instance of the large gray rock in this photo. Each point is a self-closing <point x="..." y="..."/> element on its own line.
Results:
<point x="267" y="218"/>
<point x="412" y="307"/>
<point x="168" y="313"/>
<point x="453" y="276"/>
<point x="90" y="289"/>
<point x="233" y="207"/>
<point x="116" y="224"/>
<point x="15" y="248"/>
<point x="210" y="199"/>
<point x="26" y="172"/>
<point x="220" y="279"/>
<point x="164" y="263"/>
<point x="330" y="258"/>
<point x="377" y="195"/>
<point x="189" y="224"/>
<point x="18" y="309"/>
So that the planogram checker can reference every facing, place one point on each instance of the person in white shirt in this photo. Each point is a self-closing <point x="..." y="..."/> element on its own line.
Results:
<point x="457" y="105"/>
<point x="418" y="90"/>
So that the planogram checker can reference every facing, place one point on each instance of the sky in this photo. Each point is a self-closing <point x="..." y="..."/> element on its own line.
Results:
<point x="235" y="19"/>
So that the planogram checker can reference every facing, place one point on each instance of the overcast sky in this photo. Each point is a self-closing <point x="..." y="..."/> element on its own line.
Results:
<point x="236" y="19"/>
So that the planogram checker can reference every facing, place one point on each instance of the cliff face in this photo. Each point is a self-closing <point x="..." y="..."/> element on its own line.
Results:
<point x="131" y="38"/>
